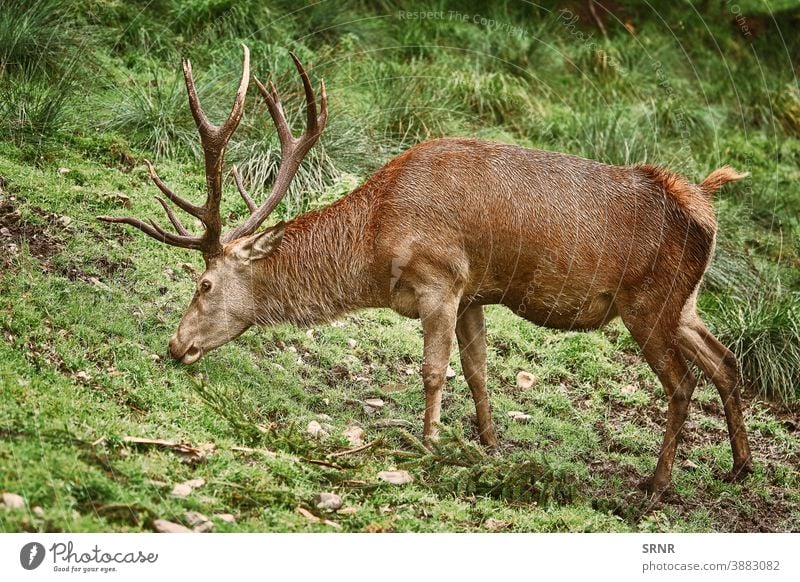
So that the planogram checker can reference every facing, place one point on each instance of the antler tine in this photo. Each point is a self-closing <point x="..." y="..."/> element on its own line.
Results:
<point x="311" y="101"/>
<point x="251" y="206"/>
<point x="293" y="150"/>
<point x="203" y="124"/>
<point x="194" y="210"/>
<point x="158" y="233"/>
<point x="237" y="110"/>
<point x="276" y="112"/>
<point x="173" y="218"/>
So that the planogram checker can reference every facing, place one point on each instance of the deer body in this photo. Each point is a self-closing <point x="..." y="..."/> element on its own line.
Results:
<point x="452" y="225"/>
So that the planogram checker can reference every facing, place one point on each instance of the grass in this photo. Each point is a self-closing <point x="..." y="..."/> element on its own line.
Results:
<point x="86" y="311"/>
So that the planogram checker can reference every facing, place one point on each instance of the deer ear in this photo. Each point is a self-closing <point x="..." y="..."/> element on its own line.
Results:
<point x="258" y="246"/>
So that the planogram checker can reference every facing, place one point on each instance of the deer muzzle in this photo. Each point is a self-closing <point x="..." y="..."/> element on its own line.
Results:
<point x="187" y="354"/>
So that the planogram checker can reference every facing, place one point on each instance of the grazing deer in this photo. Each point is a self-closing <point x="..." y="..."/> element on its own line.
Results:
<point x="452" y="225"/>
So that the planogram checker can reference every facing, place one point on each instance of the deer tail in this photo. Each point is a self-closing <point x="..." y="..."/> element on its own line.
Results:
<point x="718" y="178"/>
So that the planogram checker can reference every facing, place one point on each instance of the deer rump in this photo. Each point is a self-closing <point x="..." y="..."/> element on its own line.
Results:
<point x="554" y="237"/>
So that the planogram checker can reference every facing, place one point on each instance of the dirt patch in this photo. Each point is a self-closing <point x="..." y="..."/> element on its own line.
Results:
<point x="44" y="242"/>
<point x="14" y="232"/>
<point x="768" y="510"/>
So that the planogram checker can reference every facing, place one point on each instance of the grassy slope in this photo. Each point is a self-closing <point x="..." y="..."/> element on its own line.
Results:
<point x="85" y="324"/>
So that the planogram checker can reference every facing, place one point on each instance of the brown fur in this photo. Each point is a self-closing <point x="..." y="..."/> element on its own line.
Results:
<point x="452" y="225"/>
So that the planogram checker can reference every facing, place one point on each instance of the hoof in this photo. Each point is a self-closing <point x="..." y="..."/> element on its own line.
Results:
<point x="654" y="487"/>
<point x="739" y="474"/>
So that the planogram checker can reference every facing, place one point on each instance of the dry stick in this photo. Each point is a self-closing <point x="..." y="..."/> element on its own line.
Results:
<point x="355" y="450"/>
<point x="599" y="22"/>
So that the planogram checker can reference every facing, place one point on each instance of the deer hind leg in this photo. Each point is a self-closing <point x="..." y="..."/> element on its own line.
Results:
<point x="471" y="335"/>
<point x="656" y="333"/>
<point x="718" y="363"/>
<point x="438" y="314"/>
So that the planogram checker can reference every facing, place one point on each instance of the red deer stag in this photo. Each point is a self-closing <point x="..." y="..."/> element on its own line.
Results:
<point x="452" y="225"/>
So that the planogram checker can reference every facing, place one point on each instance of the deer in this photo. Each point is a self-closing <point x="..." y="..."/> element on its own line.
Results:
<point x="453" y="225"/>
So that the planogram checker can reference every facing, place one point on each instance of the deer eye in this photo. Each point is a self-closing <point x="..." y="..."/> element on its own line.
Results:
<point x="205" y="286"/>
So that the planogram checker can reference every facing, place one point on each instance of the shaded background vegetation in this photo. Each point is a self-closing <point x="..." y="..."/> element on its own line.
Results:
<point x="94" y="87"/>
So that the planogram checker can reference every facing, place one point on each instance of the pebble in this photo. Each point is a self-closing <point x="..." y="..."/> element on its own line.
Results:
<point x="526" y="380"/>
<point x="328" y="501"/>
<point x="315" y="430"/>
<point x="396" y="477"/>
<point x="518" y="416"/>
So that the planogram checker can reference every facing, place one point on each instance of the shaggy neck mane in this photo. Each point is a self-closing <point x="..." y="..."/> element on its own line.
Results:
<point x="321" y="269"/>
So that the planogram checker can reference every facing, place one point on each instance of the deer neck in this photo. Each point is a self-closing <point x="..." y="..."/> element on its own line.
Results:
<point x="322" y="268"/>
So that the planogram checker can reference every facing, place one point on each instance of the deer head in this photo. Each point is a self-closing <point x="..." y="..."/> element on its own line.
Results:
<point x="223" y="306"/>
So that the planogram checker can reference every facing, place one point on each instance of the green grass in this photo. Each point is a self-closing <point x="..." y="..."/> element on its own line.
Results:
<point x="86" y="310"/>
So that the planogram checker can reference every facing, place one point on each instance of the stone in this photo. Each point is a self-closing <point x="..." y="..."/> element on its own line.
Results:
<point x="519" y="416"/>
<point x="526" y="380"/>
<point x="315" y="430"/>
<point x="13" y="501"/>
<point x="354" y="435"/>
<point x="395" y="477"/>
<point x="329" y="501"/>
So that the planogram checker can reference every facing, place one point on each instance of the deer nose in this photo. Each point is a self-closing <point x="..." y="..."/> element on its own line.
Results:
<point x="175" y="349"/>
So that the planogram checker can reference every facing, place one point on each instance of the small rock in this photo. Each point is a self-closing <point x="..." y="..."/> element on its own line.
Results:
<point x="450" y="373"/>
<point x="194" y="518"/>
<point x="198" y="522"/>
<point x="64" y="221"/>
<point x="5" y="232"/>
<point x="323" y="416"/>
<point x="493" y="524"/>
<point x="351" y="343"/>
<point x="315" y="430"/>
<point x="99" y="284"/>
<point x="526" y="380"/>
<point x="629" y="389"/>
<point x="164" y="526"/>
<point x="82" y="376"/>
<point x="63" y="171"/>
<point x="347" y="511"/>
<point x="310" y="333"/>
<point x="374" y="402"/>
<point x="518" y="416"/>
<point x="409" y="371"/>
<point x="354" y="435"/>
<point x="204" y="527"/>
<point x="185" y="488"/>
<point x="13" y="501"/>
<point x="226" y="517"/>
<point x="396" y="477"/>
<point x="328" y="501"/>
<point x="38" y="511"/>
<point x="689" y="465"/>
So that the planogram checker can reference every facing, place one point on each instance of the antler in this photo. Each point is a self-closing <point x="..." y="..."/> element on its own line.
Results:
<point x="214" y="139"/>
<point x="293" y="149"/>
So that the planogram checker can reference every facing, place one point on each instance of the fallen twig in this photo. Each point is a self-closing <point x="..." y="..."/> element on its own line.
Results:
<point x="355" y="450"/>
<point x="187" y="451"/>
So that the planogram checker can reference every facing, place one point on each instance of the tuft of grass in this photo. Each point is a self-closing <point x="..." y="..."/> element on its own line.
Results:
<point x="154" y="116"/>
<point x="465" y="468"/>
<point x="763" y="330"/>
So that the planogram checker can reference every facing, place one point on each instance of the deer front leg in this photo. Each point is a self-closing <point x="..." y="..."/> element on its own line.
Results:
<point x="438" y="314"/>
<point x="471" y="334"/>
